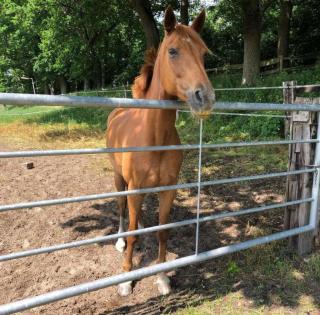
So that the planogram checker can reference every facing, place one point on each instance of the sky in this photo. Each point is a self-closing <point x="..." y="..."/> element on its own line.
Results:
<point x="207" y="3"/>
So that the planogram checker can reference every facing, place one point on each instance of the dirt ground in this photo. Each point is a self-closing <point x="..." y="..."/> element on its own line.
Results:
<point x="56" y="177"/>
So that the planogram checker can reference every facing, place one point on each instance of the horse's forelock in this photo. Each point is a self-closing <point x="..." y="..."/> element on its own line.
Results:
<point x="188" y="33"/>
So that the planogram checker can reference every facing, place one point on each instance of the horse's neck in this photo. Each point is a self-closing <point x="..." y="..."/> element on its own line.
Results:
<point x="164" y="118"/>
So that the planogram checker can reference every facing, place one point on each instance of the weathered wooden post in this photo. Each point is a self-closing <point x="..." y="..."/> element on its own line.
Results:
<point x="301" y="155"/>
<point x="288" y="93"/>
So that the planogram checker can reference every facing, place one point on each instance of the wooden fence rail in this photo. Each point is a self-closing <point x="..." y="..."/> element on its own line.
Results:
<point x="277" y="64"/>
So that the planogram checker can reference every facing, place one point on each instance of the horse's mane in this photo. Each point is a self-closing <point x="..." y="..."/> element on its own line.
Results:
<point x="142" y="82"/>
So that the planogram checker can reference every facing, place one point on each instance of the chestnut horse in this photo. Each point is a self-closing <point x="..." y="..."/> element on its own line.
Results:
<point x="175" y="72"/>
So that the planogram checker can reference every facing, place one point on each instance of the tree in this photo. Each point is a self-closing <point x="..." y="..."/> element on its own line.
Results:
<point x="284" y="27"/>
<point x="184" y="11"/>
<point x="252" y="22"/>
<point x="305" y="28"/>
<point x="76" y="44"/>
<point x="143" y="9"/>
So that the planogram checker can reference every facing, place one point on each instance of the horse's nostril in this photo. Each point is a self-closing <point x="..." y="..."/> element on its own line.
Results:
<point x="198" y="95"/>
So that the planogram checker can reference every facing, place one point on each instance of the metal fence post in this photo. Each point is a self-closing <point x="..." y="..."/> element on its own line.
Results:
<point x="199" y="187"/>
<point x="314" y="211"/>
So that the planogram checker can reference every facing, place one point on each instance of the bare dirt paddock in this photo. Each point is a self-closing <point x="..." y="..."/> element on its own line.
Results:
<point x="56" y="177"/>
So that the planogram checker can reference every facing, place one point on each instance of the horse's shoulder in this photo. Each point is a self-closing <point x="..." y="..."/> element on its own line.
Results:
<point x="115" y="113"/>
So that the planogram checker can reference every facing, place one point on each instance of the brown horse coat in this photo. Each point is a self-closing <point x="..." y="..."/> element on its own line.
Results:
<point x="175" y="72"/>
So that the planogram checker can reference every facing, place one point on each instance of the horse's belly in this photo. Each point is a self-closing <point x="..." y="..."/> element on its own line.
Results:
<point x="170" y="167"/>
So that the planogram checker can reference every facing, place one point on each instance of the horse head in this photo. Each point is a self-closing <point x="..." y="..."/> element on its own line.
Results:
<point x="182" y="71"/>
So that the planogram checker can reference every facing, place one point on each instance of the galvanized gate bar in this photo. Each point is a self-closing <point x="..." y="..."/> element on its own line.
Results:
<point x="53" y="248"/>
<point x="17" y="154"/>
<point x="144" y="272"/>
<point x="85" y="101"/>
<point x="316" y="181"/>
<point x="45" y="203"/>
<point x="90" y="101"/>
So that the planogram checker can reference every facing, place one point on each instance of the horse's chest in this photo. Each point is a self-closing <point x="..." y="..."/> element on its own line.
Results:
<point x="155" y="169"/>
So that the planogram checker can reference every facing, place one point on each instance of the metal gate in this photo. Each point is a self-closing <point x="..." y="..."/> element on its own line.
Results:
<point x="77" y="101"/>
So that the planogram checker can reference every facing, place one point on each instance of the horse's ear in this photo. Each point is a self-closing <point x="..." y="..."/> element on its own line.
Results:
<point x="169" y="20"/>
<point x="197" y="24"/>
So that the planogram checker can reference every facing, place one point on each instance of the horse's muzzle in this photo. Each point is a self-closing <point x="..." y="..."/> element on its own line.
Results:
<point x="202" y="102"/>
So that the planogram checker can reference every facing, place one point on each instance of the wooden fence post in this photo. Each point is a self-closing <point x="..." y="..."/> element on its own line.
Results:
<point x="288" y="98"/>
<point x="302" y="126"/>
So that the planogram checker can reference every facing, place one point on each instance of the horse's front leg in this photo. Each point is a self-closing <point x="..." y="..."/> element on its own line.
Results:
<point x="165" y="202"/>
<point x="134" y="205"/>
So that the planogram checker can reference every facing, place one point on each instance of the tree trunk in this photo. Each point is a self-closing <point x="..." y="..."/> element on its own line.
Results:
<point x="251" y="36"/>
<point x="63" y="85"/>
<point x="51" y="87"/>
<point x="143" y="8"/>
<point x="184" y="14"/>
<point x="86" y="84"/>
<point x="46" y="89"/>
<point x="103" y="75"/>
<point x="284" y="27"/>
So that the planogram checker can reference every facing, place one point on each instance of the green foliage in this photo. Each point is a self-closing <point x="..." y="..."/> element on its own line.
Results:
<point x="305" y="34"/>
<point x="221" y="33"/>
<point x="101" y="42"/>
<point x="232" y="268"/>
<point x="62" y="40"/>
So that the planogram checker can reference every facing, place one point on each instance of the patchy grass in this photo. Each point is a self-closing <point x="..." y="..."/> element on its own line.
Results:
<point x="268" y="279"/>
<point x="313" y="267"/>
<point x="33" y="136"/>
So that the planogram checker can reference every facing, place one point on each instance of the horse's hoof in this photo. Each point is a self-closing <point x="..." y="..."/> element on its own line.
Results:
<point x="120" y="245"/>
<point x="163" y="283"/>
<point x="125" y="288"/>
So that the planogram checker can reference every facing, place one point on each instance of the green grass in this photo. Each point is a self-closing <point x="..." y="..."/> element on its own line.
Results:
<point x="313" y="267"/>
<point x="220" y="128"/>
<point x="87" y="117"/>
<point x="268" y="279"/>
<point x="11" y="114"/>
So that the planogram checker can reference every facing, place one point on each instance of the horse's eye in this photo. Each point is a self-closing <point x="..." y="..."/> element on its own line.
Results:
<point x="173" y="52"/>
